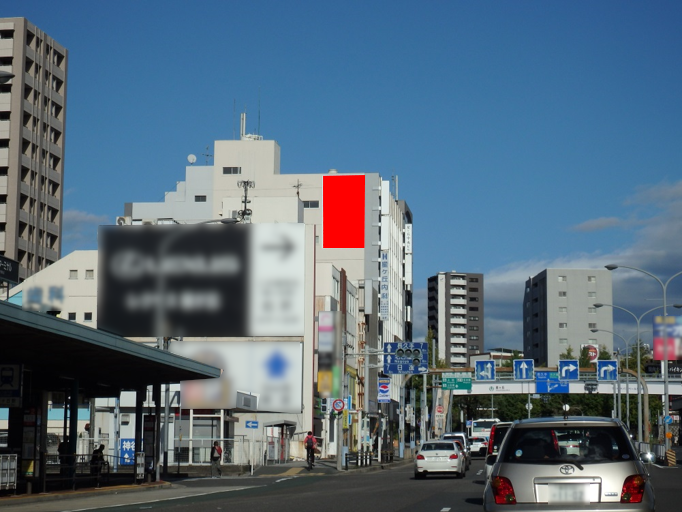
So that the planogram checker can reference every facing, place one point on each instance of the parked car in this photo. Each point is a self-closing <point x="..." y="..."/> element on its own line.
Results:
<point x="462" y="438"/>
<point x="497" y="433"/>
<point x="439" y="456"/>
<point x="533" y="470"/>
<point x="479" y="446"/>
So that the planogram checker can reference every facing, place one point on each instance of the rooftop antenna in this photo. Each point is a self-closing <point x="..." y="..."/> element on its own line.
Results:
<point x="298" y="188"/>
<point x="207" y="155"/>
<point x="245" y="213"/>
<point x="234" y="118"/>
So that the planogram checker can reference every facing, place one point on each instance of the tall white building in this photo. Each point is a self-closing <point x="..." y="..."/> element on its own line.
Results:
<point x="245" y="182"/>
<point x="559" y="312"/>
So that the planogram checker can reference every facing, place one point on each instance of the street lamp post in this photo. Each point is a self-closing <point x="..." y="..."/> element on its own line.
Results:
<point x="639" y="363"/>
<point x="664" y="363"/>
<point x="627" y="350"/>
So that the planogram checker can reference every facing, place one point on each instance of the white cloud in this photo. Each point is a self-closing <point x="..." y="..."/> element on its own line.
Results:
<point x="598" y="224"/>
<point x="80" y="230"/>
<point x="656" y="247"/>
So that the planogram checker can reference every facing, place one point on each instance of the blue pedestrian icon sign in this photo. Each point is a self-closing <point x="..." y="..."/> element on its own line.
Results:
<point x="607" y="370"/>
<point x="569" y="369"/>
<point x="524" y="369"/>
<point x="485" y="370"/>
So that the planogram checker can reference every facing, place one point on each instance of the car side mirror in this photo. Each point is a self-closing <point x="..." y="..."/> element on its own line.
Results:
<point x="491" y="459"/>
<point x="647" y="457"/>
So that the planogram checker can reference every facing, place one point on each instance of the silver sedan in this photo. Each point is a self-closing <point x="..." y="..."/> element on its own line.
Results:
<point x="598" y="470"/>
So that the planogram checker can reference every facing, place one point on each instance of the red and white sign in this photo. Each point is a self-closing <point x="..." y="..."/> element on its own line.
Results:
<point x="439" y="409"/>
<point x="338" y="405"/>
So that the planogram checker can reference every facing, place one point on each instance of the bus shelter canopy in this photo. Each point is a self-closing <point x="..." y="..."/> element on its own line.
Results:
<point x="55" y="352"/>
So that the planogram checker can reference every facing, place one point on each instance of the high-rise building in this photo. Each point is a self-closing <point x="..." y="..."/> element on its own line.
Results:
<point x="559" y="312"/>
<point x="32" y="123"/>
<point x="455" y="316"/>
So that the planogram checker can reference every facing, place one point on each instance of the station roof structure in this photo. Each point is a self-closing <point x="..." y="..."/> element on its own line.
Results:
<point x="55" y="352"/>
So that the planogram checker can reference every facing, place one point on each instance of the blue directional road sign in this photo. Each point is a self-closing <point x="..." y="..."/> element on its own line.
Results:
<point x="524" y="369"/>
<point x="485" y="370"/>
<point x="607" y="370"/>
<point x="251" y="424"/>
<point x="548" y="382"/>
<point x="569" y="369"/>
<point x="406" y="358"/>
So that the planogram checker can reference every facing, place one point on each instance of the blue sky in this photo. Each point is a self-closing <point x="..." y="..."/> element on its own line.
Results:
<point x="525" y="134"/>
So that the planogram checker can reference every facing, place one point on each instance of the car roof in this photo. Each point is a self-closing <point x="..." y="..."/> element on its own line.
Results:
<point x="596" y="421"/>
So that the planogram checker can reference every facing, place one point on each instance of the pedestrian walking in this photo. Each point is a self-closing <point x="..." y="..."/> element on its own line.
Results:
<point x="216" y="456"/>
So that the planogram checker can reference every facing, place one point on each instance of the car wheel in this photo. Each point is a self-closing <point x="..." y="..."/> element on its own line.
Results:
<point x="419" y="476"/>
<point x="462" y="474"/>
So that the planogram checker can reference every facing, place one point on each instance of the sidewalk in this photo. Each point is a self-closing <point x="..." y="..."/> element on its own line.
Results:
<point x="172" y="483"/>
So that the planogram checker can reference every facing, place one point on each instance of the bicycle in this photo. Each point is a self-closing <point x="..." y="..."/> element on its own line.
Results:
<point x="310" y="458"/>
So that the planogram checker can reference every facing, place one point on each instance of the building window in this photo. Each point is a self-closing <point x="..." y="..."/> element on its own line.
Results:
<point x="592" y="342"/>
<point x="232" y="170"/>
<point x="473" y="338"/>
<point x="563" y="325"/>
<point x="562" y="279"/>
<point x="562" y="294"/>
<point x="473" y="327"/>
<point x="89" y="274"/>
<point x="563" y="341"/>
<point x="473" y="299"/>
<point x="473" y="289"/>
<point x="199" y="199"/>
<point x="473" y="279"/>
<point x="591" y="279"/>
<point x="311" y="204"/>
<point x="72" y="317"/>
<point x="592" y="326"/>
<point x="473" y="308"/>
<point x="592" y="295"/>
<point x="87" y="317"/>
<point x="563" y="310"/>
<point x="73" y="274"/>
<point x="592" y="311"/>
<point x="473" y="318"/>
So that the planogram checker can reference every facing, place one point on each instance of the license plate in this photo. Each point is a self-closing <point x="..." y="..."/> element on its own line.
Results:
<point x="569" y="493"/>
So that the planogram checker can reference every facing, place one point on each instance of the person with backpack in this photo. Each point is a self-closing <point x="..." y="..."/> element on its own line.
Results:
<point x="216" y="456"/>
<point x="310" y="444"/>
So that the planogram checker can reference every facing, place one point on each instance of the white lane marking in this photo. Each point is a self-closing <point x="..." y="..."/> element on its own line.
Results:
<point x="445" y="510"/>
<point x="167" y="499"/>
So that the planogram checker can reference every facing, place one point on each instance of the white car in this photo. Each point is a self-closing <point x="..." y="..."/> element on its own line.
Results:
<point x="479" y="446"/>
<point x="439" y="456"/>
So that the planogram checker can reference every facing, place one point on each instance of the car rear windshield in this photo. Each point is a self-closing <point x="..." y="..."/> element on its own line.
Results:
<point x="428" y="447"/>
<point x="567" y="444"/>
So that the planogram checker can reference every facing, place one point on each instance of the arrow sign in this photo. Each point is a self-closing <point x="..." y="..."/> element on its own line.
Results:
<point x="569" y="369"/>
<point x="606" y="370"/>
<point x="485" y="370"/>
<point x="524" y="369"/>
<point x="251" y="424"/>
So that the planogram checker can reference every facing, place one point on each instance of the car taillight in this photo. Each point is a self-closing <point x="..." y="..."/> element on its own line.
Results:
<point x="420" y="457"/>
<point x="490" y="444"/>
<point x="503" y="491"/>
<point x="454" y="456"/>
<point x="633" y="489"/>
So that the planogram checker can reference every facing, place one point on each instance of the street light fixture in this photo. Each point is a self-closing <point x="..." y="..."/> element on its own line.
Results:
<point x="627" y="395"/>
<point x="664" y="363"/>
<point x="639" y="363"/>
<point x="5" y="76"/>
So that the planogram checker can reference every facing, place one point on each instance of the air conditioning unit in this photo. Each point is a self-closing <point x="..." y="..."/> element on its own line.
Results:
<point x="123" y="221"/>
<point x="148" y="222"/>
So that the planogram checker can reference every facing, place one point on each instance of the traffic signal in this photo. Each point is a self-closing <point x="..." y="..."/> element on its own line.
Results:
<point x="324" y="406"/>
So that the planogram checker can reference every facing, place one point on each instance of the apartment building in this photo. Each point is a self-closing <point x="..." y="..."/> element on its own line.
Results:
<point x="245" y="183"/>
<point x="559" y="312"/>
<point x="32" y="134"/>
<point x="455" y="316"/>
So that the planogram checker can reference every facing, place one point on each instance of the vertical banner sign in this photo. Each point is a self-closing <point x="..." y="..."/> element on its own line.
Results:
<point x="384" y="287"/>
<point x="384" y="395"/>
<point x="327" y="327"/>
<point x="343" y="211"/>
<point x="667" y="330"/>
